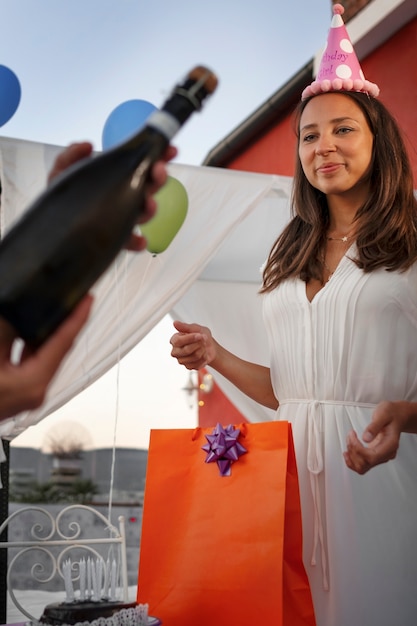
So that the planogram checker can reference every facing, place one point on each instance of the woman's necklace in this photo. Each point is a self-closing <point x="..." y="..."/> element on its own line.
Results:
<point x="343" y="239"/>
<point x="335" y="254"/>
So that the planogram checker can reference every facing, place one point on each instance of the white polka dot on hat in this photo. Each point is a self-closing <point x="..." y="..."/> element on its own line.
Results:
<point x="339" y="66"/>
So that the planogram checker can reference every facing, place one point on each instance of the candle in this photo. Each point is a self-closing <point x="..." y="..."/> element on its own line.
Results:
<point x="106" y="579"/>
<point x="82" y="579"/>
<point x="69" y="589"/>
<point x="88" y="577"/>
<point x="96" y="578"/>
<point x="99" y="577"/>
<point x="94" y="583"/>
<point x="113" y="581"/>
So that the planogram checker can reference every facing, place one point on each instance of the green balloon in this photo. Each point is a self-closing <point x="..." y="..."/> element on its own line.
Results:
<point x="172" y="201"/>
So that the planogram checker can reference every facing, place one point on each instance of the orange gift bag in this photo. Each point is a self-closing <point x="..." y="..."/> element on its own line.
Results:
<point x="221" y="531"/>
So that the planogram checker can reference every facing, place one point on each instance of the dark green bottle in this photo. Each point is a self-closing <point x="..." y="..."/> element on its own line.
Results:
<point x="73" y="231"/>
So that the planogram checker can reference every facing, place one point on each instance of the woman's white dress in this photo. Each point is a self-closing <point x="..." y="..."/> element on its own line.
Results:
<point x="332" y="361"/>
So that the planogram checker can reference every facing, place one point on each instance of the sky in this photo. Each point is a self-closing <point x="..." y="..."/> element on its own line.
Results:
<point x="76" y="61"/>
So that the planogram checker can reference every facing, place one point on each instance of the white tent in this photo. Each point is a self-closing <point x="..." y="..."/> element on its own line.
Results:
<point x="209" y="274"/>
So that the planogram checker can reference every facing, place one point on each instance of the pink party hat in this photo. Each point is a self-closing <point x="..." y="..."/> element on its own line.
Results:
<point x="339" y="66"/>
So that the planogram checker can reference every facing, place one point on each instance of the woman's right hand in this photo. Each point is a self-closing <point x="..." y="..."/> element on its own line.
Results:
<point x="193" y="345"/>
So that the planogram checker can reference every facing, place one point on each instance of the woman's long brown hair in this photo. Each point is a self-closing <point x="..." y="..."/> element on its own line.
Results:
<point x="386" y="234"/>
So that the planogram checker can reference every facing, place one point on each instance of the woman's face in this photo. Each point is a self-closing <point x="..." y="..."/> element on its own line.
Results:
<point x="335" y="146"/>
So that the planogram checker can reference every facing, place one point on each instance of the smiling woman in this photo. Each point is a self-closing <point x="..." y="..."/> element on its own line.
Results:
<point x="335" y="151"/>
<point x="339" y="301"/>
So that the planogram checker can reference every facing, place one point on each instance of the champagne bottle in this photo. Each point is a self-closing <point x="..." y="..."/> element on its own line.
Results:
<point x="74" y="230"/>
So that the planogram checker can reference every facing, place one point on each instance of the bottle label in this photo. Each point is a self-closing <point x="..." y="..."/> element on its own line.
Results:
<point x="165" y="123"/>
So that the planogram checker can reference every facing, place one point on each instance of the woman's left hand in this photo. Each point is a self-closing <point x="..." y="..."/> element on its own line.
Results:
<point x="381" y="436"/>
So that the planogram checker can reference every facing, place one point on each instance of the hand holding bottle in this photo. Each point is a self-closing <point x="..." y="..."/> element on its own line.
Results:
<point x="23" y="385"/>
<point x="82" y="150"/>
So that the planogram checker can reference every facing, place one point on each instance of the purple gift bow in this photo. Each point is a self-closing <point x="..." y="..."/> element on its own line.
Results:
<point x="223" y="448"/>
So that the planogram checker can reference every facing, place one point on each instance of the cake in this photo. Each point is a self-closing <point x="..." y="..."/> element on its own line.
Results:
<point x="82" y="612"/>
<point x="97" y="603"/>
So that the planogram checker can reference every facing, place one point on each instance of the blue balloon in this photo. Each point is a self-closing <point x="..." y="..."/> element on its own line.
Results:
<point x="124" y="121"/>
<point x="10" y="93"/>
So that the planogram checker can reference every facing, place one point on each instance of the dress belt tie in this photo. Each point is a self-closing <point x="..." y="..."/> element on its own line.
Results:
<point x="315" y="466"/>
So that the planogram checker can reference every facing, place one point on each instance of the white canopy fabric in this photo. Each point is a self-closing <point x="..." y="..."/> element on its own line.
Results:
<point x="209" y="274"/>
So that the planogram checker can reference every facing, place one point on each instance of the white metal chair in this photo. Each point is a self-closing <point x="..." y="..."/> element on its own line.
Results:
<point x="49" y="541"/>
